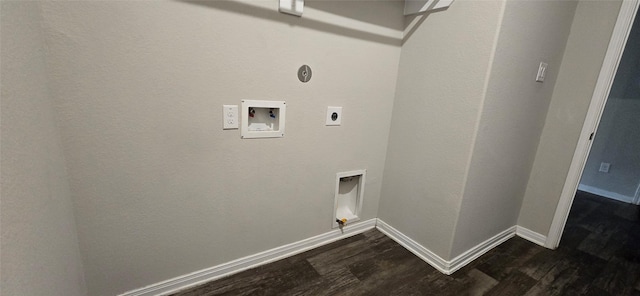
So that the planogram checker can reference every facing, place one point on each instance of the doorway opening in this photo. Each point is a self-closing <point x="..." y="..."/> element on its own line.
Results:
<point x="616" y="80"/>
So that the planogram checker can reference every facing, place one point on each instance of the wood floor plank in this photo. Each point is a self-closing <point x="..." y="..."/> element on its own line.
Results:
<point x="333" y="283"/>
<point x="384" y="262"/>
<point x="573" y="237"/>
<point x="541" y="263"/>
<point x="393" y="267"/>
<point x="434" y="283"/>
<point x="572" y="275"/>
<point x="269" y="279"/>
<point x="513" y="255"/>
<point x="331" y="246"/>
<point x="597" y="244"/>
<point x="595" y="291"/>
<point x="628" y="213"/>
<point x="342" y="256"/>
<point x="480" y="283"/>
<point x="517" y="283"/>
<point x="581" y="210"/>
<point x="619" y="277"/>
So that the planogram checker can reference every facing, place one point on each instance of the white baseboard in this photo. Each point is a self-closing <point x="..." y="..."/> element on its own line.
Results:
<point x="445" y="266"/>
<point x="607" y="194"/>
<point x="480" y="249"/>
<point x="412" y="246"/>
<point x="251" y="261"/>
<point x="531" y="236"/>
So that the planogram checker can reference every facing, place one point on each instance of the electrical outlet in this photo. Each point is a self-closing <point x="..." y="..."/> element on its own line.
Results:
<point x="604" y="167"/>
<point x="334" y="116"/>
<point x="229" y="116"/>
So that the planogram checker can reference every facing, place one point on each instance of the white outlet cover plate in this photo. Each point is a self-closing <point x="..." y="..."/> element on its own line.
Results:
<point x="229" y="116"/>
<point x="330" y="111"/>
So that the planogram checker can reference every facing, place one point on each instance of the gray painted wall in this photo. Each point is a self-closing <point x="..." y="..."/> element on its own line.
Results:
<point x="591" y="29"/>
<point x="159" y="188"/>
<point x="40" y="252"/>
<point x="512" y="118"/>
<point x="441" y="83"/>
<point x="618" y="138"/>
<point x="465" y="129"/>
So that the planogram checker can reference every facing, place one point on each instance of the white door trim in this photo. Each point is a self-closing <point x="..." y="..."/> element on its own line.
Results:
<point x="636" y="198"/>
<point x="598" y="101"/>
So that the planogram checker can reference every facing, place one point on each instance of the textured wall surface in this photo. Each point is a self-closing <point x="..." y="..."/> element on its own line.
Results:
<point x="588" y="40"/>
<point x="618" y="138"/>
<point x="159" y="188"/>
<point x="40" y="252"/>
<point x="443" y="69"/>
<point x="512" y="119"/>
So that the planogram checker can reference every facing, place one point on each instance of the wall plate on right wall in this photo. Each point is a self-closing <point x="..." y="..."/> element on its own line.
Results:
<point x="334" y="116"/>
<point x="542" y="72"/>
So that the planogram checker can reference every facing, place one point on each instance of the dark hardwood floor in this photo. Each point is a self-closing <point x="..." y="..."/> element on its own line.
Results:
<point x="599" y="255"/>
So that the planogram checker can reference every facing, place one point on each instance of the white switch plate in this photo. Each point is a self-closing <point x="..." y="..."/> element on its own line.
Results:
<point x="604" y="167"/>
<point x="334" y="119"/>
<point x="229" y="116"/>
<point x="542" y="72"/>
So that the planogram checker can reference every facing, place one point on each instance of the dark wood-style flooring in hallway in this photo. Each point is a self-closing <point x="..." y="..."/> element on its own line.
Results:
<point x="599" y="255"/>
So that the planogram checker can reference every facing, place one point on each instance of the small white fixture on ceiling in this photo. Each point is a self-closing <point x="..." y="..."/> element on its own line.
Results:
<point x="293" y="7"/>
<point x="419" y="6"/>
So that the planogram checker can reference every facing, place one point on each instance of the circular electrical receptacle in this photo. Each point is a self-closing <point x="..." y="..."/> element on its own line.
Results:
<point x="304" y="73"/>
<point x="334" y="115"/>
